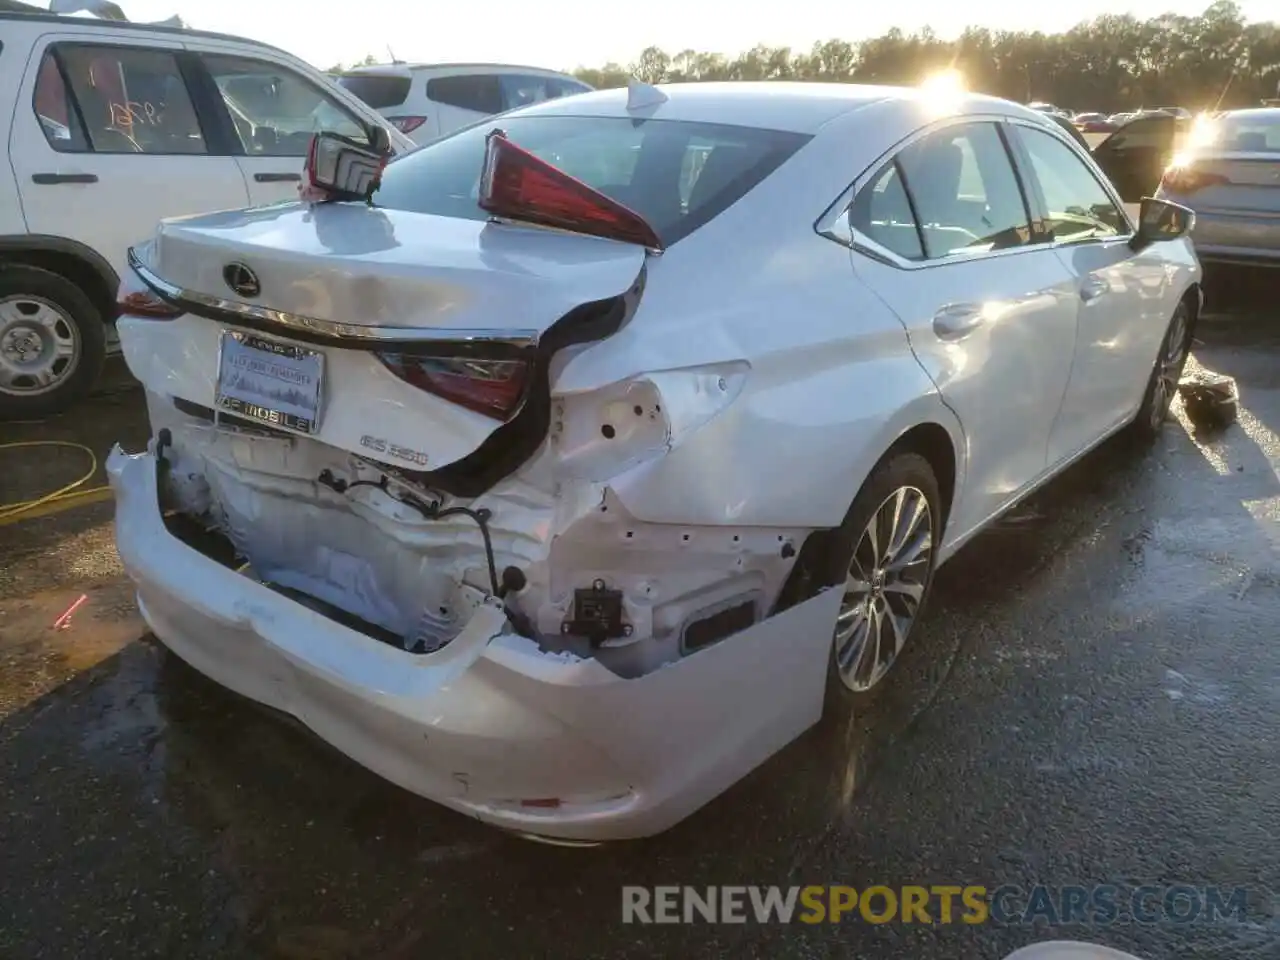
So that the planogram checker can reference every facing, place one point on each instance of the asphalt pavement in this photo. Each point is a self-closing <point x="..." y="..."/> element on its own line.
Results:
<point x="1095" y="699"/>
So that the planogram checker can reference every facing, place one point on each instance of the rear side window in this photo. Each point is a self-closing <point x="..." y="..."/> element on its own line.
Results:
<point x="115" y="100"/>
<point x="882" y="213"/>
<point x="481" y="93"/>
<point x="379" y="92"/>
<point x="677" y="175"/>
<point x="966" y="195"/>
<point x="567" y="88"/>
<point x="521" y="91"/>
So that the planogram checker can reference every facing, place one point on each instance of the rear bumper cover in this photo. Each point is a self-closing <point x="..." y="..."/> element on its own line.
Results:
<point x="490" y="722"/>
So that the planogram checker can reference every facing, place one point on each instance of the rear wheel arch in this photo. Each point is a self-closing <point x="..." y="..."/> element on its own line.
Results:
<point x="78" y="263"/>
<point x="814" y="567"/>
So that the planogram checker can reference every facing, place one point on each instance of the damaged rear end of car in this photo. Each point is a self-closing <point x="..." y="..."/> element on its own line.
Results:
<point x="366" y="504"/>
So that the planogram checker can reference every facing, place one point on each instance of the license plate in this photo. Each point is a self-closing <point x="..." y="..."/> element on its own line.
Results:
<point x="270" y="382"/>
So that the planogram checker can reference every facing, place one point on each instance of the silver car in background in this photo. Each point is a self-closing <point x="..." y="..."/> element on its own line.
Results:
<point x="1229" y="174"/>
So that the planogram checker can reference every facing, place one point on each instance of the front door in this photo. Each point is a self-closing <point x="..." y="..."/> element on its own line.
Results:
<point x="1119" y="319"/>
<point x="105" y="143"/>
<point x="991" y="317"/>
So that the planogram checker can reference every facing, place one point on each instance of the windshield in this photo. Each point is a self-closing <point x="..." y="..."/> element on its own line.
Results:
<point x="677" y="175"/>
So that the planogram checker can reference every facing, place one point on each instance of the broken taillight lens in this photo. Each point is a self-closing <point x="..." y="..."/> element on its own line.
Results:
<point x="407" y="124"/>
<point x="145" y="304"/>
<point x="520" y="186"/>
<point x="495" y="388"/>
<point x="1185" y="180"/>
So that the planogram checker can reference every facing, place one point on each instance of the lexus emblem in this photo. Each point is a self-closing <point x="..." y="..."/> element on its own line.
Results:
<point x="241" y="279"/>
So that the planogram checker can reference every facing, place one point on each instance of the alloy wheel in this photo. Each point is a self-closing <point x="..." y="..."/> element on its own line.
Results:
<point x="884" y="588"/>
<point x="1173" y="355"/>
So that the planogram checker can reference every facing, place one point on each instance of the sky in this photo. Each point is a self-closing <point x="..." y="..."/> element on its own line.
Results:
<point x="574" y="33"/>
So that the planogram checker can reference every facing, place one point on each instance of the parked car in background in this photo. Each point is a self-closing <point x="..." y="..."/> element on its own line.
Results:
<point x="1041" y="107"/>
<point x="1093" y="123"/>
<point x="1229" y="174"/>
<point x="536" y="493"/>
<point x="1181" y="113"/>
<point x="428" y="100"/>
<point x="110" y="127"/>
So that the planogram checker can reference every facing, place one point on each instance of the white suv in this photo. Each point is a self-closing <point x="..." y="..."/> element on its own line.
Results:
<point x="427" y="101"/>
<point x="111" y="127"/>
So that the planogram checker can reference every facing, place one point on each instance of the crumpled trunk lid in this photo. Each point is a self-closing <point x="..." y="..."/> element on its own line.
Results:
<point x="343" y="293"/>
<point x="349" y="263"/>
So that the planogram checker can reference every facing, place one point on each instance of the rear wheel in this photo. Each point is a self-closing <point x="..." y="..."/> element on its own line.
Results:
<point x="1162" y="385"/>
<point x="52" y="342"/>
<point x="889" y="537"/>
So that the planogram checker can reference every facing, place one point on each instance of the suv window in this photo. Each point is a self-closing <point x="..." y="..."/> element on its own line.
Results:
<point x="377" y="90"/>
<point x="567" y="88"/>
<point x="965" y="191"/>
<point x="479" y="92"/>
<point x="521" y="91"/>
<point x="275" y="110"/>
<point x="641" y="165"/>
<point x="881" y="212"/>
<point x="131" y="100"/>
<point x="1079" y="208"/>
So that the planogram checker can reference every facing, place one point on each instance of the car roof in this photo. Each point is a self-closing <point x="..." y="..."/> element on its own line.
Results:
<point x="400" y="69"/>
<point x="1255" y="113"/>
<point x="125" y="26"/>
<point x="770" y="104"/>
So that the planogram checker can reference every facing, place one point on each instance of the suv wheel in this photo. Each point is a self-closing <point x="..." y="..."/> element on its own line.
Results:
<point x="52" y="342"/>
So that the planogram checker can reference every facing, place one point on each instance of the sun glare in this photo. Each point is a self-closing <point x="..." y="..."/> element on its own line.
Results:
<point x="944" y="82"/>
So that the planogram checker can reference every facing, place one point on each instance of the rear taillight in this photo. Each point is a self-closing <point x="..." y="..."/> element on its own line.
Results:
<point x="145" y="304"/>
<point x="495" y="388"/>
<point x="520" y="186"/>
<point x="407" y="124"/>
<point x="1187" y="179"/>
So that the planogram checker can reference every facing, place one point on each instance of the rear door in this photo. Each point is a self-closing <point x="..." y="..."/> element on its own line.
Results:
<point x="1136" y="155"/>
<point x="463" y="98"/>
<point x="271" y="111"/>
<point x="990" y="316"/>
<point x="106" y="142"/>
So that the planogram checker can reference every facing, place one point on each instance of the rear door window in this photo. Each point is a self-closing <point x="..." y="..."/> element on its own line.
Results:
<point x="566" y="88"/>
<point x="116" y="100"/>
<point x="377" y="90"/>
<point x="481" y="93"/>
<point x="275" y="110"/>
<point x="966" y="195"/>
<point x="677" y="175"/>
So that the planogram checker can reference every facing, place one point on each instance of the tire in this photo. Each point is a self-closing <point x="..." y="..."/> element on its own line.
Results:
<point x="1166" y="371"/>
<point x="853" y="678"/>
<point x="42" y="313"/>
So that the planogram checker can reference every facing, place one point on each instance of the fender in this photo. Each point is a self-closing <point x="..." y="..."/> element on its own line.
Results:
<point x="46" y="243"/>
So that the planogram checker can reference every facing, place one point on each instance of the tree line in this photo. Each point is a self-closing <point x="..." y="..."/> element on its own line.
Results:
<point x="1112" y="63"/>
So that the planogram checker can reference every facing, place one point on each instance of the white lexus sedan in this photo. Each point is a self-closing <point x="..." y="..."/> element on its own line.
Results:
<point x="615" y="439"/>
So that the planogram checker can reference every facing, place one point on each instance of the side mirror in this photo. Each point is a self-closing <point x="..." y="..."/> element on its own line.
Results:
<point x="379" y="139"/>
<point x="1161" y="220"/>
<point x="343" y="168"/>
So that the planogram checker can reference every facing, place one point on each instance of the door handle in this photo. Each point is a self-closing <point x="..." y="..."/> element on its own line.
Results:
<point x="277" y="177"/>
<point x="957" y="320"/>
<point x="45" y="179"/>
<point x="1093" y="288"/>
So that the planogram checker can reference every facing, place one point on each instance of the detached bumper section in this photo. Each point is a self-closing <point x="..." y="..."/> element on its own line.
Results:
<point x="491" y="725"/>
